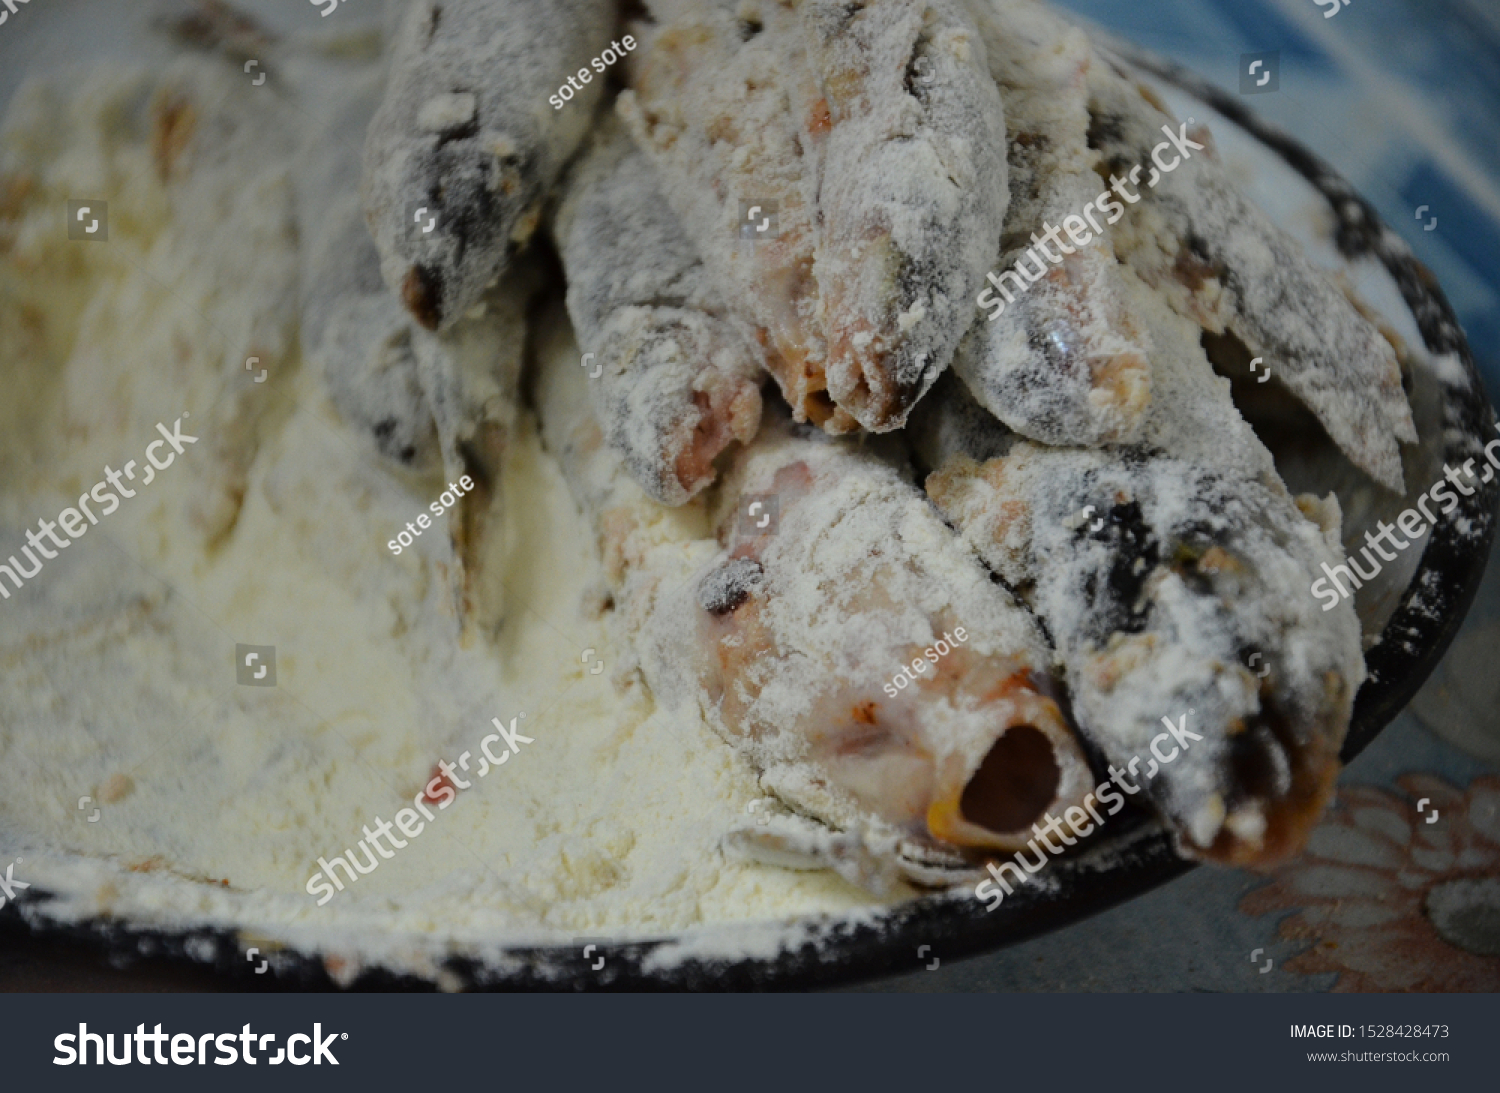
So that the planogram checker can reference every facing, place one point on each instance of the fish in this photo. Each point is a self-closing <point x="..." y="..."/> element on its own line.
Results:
<point x="678" y="377"/>
<point x="869" y="140"/>
<point x="786" y="626"/>
<point x="1056" y="353"/>
<point x="1173" y="576"/>
<point x="353" y="329"/>
<point x="1221" y="261"/>
<point x="720" y="100"/>
<point x="462" y="151"/>
<point x="435" y="404"/>
<point x="912" y="193"/>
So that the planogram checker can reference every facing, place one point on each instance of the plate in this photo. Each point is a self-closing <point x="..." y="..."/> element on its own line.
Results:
<point x="1409" y="616"/>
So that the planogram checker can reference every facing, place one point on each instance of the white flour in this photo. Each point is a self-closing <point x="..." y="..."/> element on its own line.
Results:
<point x="120" y="660"/>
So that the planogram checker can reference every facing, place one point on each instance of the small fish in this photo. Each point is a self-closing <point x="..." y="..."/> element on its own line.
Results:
<point x="353" y="328"/>
<point x="784" y="634"/>
<point x="1222" y="262"/>
<point x="459" y="156"/>
<point x="877" y="133"/>
<point x="1159" y="570"/>
<point x="721" y="101"/>
<point x="678" y="377"/>
<point x="444" y="403"/>
<point x="912" y="193"/>
<point x="1055" y="353"/>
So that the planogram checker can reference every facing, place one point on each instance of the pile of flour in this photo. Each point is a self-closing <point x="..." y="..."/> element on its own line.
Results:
<point x="119" y="683"/>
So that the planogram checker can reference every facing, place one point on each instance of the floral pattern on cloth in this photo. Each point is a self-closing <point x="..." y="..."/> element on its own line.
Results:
<point x="1392" y="900"/>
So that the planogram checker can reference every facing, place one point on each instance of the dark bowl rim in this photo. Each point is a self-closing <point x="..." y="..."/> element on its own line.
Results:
<point x="835" y="950"/>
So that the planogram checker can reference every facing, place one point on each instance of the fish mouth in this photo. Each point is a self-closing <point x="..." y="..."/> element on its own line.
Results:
<point x="873" y="400"/>
<point x="422" y="293"/>
<point x="1015" y="782"/>
<point x="729" y="411"/>
<point x="863" y="380"/>
<point x="1033" y="769"/>
<point x="1278" y="785"/>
